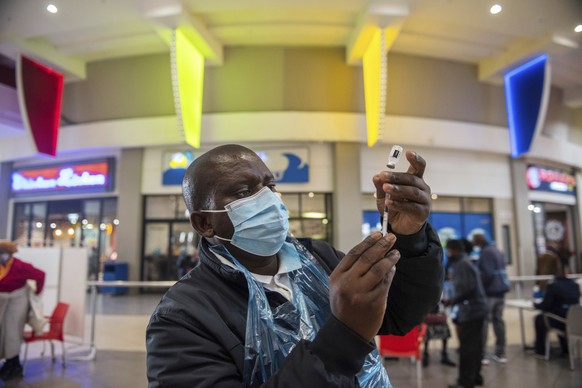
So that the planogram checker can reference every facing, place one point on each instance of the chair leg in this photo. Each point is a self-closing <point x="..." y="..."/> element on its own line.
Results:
<point x="418" y="374"/>
<point x="52" y="351"/>
<point x="571" y="353"/>
<point x="548" y="346"/>
<point x="25" y="355"/>
<point x="63" y="354"/>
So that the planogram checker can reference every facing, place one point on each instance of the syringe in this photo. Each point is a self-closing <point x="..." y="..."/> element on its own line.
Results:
<point x="393" y="158"/>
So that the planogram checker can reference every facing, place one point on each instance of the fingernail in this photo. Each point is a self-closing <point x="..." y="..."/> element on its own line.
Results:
<point x="390" y="237"/>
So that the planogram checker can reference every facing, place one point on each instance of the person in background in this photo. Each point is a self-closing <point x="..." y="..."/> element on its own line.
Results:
<point x="468" y="245"/>
<point x="264" y="308"/>
<point x="14" y="274"/>
<point x="469" y="296"/>
<point x="558" y="297"/>
<point x="492" y="268"/>
<point x="187" y="259"/>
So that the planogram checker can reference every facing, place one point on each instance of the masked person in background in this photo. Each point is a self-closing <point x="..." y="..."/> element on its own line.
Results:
<point x="264" y="308"/>
<point x="492" y="269"/>
<point x="470" y="297"/>
<point x="14" y="274"/>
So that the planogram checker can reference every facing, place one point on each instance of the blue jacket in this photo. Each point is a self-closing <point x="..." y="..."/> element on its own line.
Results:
<point x="491" y="264"/>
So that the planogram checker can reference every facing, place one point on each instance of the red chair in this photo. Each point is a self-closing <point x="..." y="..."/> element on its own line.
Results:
<point x="407" y="345"/>
<point x="55" y="332"/>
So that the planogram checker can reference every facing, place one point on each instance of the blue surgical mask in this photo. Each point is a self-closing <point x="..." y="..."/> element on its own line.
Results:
<point x="261" y="222"/>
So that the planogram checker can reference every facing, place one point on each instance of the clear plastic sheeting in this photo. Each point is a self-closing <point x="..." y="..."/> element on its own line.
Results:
<point x="271" y="334"/>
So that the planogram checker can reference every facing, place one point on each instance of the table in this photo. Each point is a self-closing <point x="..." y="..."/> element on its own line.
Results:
<point x="521" y="304"/>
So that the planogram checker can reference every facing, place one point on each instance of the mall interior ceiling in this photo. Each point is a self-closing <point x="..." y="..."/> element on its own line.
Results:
<point x="77" y="33"/>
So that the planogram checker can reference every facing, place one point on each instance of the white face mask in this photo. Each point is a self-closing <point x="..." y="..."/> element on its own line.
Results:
<point x="4" y="257"/>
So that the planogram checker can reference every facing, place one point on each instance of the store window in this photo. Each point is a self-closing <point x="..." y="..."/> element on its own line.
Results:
<point x="309" y="215"/>
<point x="452" y="217"/>
<point x="81" y="223"/>
<point x="170" y="243"/>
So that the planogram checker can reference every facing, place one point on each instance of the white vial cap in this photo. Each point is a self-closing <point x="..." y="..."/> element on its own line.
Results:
<point x="395" y="154"/>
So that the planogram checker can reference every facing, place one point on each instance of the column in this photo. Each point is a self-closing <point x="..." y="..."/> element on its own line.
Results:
<point x="347" y="212"/>
<point x="129" y="209"/>
<point x="526" y="255"/>
<point x="5" y="171"/>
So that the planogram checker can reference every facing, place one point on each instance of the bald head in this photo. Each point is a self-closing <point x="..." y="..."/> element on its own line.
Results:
<point x="205" y="173"/>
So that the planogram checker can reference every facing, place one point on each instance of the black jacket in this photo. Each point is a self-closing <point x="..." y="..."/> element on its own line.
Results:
<point x="195" y="337"/>
<point x="559" y="296"/>
<point x="469" y="293"/>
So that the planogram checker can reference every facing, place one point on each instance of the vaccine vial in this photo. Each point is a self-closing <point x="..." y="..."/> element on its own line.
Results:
<point x="395" y="154"/>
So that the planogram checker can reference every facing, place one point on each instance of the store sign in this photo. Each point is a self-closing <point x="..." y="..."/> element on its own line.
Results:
<point x="551" y="179"/>
<point x="174" y="166"/>
<point x="288" y="165"/>
<point x="94" y="176"/>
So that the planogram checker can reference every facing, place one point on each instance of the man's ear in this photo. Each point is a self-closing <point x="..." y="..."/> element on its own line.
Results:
<point x="201" y="224"/>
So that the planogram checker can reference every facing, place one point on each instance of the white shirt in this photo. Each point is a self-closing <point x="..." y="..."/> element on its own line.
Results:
<point x="288" y="261"/>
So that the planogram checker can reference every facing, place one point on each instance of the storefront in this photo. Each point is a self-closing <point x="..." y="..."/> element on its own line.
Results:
<point x="552" y="204"/>
<point x="471" y="193"/>
<point x="69" y="204"/>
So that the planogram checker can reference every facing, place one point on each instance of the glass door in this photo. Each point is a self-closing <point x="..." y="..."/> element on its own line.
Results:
<point x="554" y="231"/>
<point x="183" y="248"/>
<point x="156" y="251"/>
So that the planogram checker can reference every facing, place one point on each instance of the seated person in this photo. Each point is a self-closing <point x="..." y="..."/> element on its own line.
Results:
<point x="558" y="296"/>
<point x="266" y="309"/>
<point x="14" y="274"/>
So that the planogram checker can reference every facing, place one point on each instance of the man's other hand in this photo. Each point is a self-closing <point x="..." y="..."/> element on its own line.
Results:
<point x="359" y="285"/>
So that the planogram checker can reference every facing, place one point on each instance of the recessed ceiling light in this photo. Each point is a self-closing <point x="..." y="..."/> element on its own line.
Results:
<point x="578" y="28"/>
<point x="495" y="9"/>
<point x="52" y="8"/>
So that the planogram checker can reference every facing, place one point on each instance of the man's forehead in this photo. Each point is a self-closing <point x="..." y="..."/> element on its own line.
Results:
<point x="240" y="168"/>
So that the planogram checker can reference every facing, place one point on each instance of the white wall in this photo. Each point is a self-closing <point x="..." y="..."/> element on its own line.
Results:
<point x="448" y="172"/>
<point x="288" y="127"/>
<point x="65" y="281"/>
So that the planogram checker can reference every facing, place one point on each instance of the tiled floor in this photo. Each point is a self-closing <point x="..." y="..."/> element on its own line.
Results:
<point x="120" y="360"/>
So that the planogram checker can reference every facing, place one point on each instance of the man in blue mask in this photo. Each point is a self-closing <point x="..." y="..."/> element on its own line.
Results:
<point x="266" y="309"/>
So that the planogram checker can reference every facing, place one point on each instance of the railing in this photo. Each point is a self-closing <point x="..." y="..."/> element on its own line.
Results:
<point x="516" y="282"/>
<point x="93" y="303"/>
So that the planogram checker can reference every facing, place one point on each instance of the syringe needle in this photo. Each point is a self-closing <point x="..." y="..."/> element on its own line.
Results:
<point x="385" y="217"/>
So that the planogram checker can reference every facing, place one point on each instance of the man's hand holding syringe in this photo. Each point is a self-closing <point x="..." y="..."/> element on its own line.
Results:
<point x="359" y="285"/>
<point x="403" y="198"/>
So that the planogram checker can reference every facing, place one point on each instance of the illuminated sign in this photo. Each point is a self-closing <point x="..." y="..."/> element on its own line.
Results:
<point x="526" y="91"/>
<point x="550" y="179"/>
<point x="90" y="177"/>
